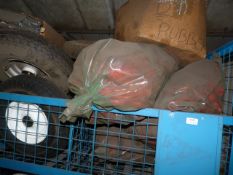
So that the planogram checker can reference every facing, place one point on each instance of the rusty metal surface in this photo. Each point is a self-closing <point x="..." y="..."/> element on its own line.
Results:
<point x="69" y="15"/>
<point x="61" y="14"/>
<point x="92" y="15"/>
<point x="94" y="19"/>
<point x="219" y="17"/>
<point x="12" y="20"/>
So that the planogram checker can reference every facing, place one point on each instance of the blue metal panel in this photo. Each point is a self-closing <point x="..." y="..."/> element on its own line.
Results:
<point x="182" y="148"/>
<point x="34" y="99"/>
<point x="228" y="120"/>
<point x="188" y="144"/>
<point x="33" y="168"/>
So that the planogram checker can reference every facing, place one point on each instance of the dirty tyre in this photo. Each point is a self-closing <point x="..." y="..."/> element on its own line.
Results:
<point x="22" y="53"/>
<point x="48" y="139"/>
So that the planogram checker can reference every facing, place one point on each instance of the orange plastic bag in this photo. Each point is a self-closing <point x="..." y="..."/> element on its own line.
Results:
<point x="198" y="87"/>
<point x="116" y="74"/>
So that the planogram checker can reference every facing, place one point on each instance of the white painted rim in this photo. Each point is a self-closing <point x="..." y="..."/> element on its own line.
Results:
<point x="35" y="134"/>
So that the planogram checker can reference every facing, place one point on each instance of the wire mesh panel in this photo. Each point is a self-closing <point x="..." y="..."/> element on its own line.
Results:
<point x="225" y="56"/>
<point x="112" y="142"/>
<point x="226" y="149"/>
<point x="108" y="143"/>
<point x="124" y="144"/>
<point x="227" y="62"/>
<point x="33" y="133"/>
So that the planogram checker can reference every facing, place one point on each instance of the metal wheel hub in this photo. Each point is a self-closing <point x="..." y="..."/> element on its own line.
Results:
<point x="17" y="67"/>
<point x="27" y="122"/>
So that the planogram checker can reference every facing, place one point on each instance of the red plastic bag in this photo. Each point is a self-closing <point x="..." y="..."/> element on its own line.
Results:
<point x="198" y="87"/>
<point x="116" y="74"/>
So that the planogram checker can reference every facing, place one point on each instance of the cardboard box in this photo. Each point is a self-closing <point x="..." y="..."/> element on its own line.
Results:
<point x="183" y="34"/>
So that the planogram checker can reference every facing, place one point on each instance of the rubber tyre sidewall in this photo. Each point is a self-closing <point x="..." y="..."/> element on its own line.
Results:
<point x="38" y="52"/>
<point x="51" y="145"/>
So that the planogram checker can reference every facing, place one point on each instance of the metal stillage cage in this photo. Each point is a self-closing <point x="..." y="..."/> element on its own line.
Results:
<point x="148" y="141"/>
<point x="224" y="55"/>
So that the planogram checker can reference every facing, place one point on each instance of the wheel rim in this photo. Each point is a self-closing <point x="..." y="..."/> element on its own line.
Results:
<point x="27" y="122"/>
<point x="16" y="67"/>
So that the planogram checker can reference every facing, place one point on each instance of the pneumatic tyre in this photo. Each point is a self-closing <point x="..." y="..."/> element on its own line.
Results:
<point x="37" y="131"/>
<point x="28" y="53"/>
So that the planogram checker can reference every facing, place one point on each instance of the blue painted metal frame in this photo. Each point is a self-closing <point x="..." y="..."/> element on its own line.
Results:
<point x="33" y="168"/>
<point x="225" y="50"/>
<point x="184" y="148"/>
<point x="229" y="121"/>
<point x="70" y="145"/>
<point x="34" y="99"/>
<point x="63" y="103"/>
<point x="172" y="131"/>
<point x="148" y="112"/>
<point x="231" y="161"/>
<point x="221" y="50"/>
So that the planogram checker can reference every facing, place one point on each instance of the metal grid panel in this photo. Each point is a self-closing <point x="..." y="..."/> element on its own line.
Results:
<point x="24" y="138"/>
<point x="225" y="54"/>
<point x="124" y="144"/>
<point x="227" y="64"/>
<point x="226" y="149"/>
<point x="108" y="143"/>
<point x="225" y="57"/>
